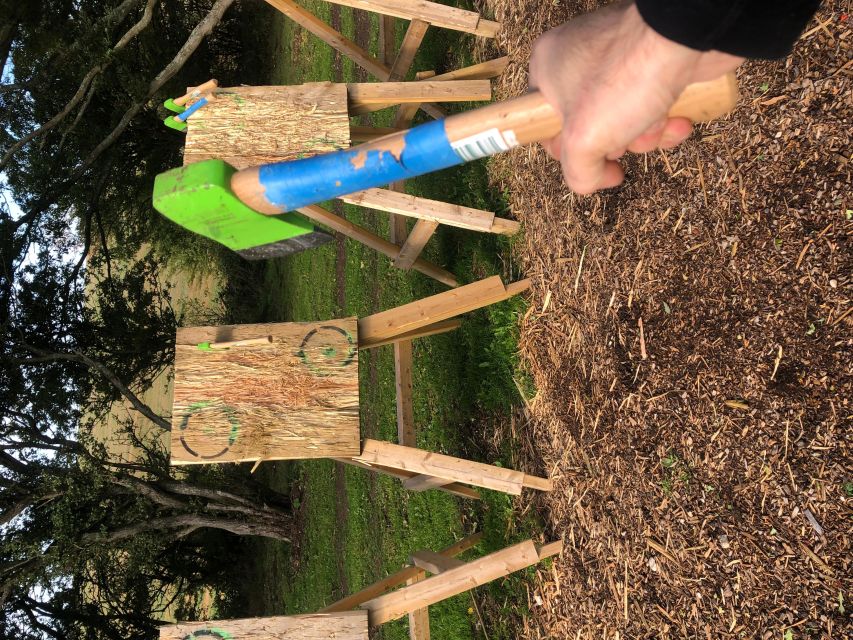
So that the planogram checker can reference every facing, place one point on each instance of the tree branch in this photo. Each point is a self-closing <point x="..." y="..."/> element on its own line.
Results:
<point x="84" y="84"/>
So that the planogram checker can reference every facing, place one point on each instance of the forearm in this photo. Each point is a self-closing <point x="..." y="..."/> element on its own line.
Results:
<point x="747" y="28"/>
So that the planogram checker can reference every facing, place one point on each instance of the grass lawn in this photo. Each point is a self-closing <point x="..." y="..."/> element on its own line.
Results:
<point x="355" y="527"/>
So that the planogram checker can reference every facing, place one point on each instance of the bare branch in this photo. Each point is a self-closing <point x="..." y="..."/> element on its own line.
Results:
<point x="84" y="84"/>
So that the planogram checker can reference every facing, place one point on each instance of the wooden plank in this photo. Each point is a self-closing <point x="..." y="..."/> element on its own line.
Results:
<point x="366" y="134"/>
<point x="496" y="565"/>
<point x="431" y="330"/>
<point x="339" y="224"/>
<point x="398" y="229"/>
<point x="505" y="227"/>
<point x="327" y="34"/>
<point x="439" y="465"/>
<point x="482" y="71"/>
<point x="453" y="215"/>
<point x="415" y="243"/>
<point x="387" y="38"/>
<point x="295" y="396"/>
<point x="549" y="549"/>
<point x="433" y="562"/>
<point x="424" y="483"/>
<point x="249" y="126"/>
<point x="443" y="306"/>
<point x="439" y="15"/>
<point x="411" y="42"/>
<point x="419" y="619"/>
<point x="535" y="482"/>
<point x="366" y="97"/>
<point x="487" y="28"/>
<point x="455" y="488"/>
<point x="346" y="625"/>
<point x="398" y="578"/>
<point x="403" y="386"/>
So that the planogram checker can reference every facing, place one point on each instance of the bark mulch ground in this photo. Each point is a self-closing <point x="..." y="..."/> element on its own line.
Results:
<point x="690" y="341"/>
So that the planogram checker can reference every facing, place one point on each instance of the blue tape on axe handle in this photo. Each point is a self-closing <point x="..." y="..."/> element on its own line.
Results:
<point x="191" y="110"/>
<point x="299" y="183"/>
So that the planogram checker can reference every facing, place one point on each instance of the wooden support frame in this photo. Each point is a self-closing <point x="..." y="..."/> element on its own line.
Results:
<point x="409" y="591"/>
<point x="456" y="580"/>
<point x="453" y="215"/>
<point x="428" y="311"/>
<point x="339" y="224"/>
<point x="450" y="468"/>
<point x="415" y="243"/>
<point x="430" y="330"/>
<point x="367" y="97"/>
<point x="440" y="15"/>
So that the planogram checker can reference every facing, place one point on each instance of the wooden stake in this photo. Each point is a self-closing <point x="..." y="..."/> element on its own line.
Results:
<point x="403" y="384"/>
<point x="411" y="42"/>
<point x="415" y="243"/>
<point x="424" y="483"/>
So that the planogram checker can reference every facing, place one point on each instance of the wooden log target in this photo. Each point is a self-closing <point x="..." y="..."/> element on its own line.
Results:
<point x="349" y="625"/>
<point x="291" y="392"/>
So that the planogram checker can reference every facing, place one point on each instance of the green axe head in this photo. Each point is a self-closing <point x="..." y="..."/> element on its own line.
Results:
<point x="199" y="198"/>
<point x="175" y="124"/>
<point x="175" y="108"/>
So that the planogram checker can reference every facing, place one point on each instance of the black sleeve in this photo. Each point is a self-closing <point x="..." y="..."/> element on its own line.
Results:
<point x="748" y="28"/>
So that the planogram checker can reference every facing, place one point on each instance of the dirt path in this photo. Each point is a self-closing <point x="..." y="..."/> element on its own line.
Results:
<point x="693" y="361"/>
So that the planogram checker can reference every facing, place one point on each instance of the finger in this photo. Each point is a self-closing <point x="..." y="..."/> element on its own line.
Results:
<point x="615" y="155"/>
<point x="587" y="169"/>
<point x="649" y="139"/>
<point x="553" y="147"/>
<point x="677" y="130"/>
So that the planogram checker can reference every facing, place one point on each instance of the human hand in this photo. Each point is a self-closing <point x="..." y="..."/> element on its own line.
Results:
<point x="614" y="79"/>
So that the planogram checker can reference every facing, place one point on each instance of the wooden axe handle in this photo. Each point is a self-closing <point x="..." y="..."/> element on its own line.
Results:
<point x="210" y="85"/>
<point x="531" y="118"/>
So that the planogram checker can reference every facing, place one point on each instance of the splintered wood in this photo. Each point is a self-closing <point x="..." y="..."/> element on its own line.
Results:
<point x="294" y="396"/>
<point x="248" y="126"/>
<point x="350" y="625"/>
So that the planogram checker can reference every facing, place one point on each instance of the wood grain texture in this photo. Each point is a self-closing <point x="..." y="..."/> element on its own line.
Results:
<point x="248" y="126"/>
<point x="431" y="330"/>
<point x="347" y="625"/>
<point x="433" y="562"/>
<point x="296" y="397"/>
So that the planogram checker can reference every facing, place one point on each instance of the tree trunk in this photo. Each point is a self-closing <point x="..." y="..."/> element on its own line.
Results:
<point x="261" y="525"/>
<point x="8" y="33"/>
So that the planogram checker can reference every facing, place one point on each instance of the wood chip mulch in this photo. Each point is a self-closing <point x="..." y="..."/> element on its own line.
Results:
<point x="690" y="341"/>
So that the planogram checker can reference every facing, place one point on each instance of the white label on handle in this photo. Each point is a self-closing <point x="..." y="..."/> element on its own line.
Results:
<point x="482" y="145"/>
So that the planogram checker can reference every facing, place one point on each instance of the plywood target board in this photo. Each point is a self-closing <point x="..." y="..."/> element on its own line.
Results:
<point x="350" y="625"/>
<point x="290" y="393"/>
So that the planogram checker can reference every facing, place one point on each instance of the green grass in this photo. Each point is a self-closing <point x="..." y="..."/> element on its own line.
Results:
<point x="458" y="377"/>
